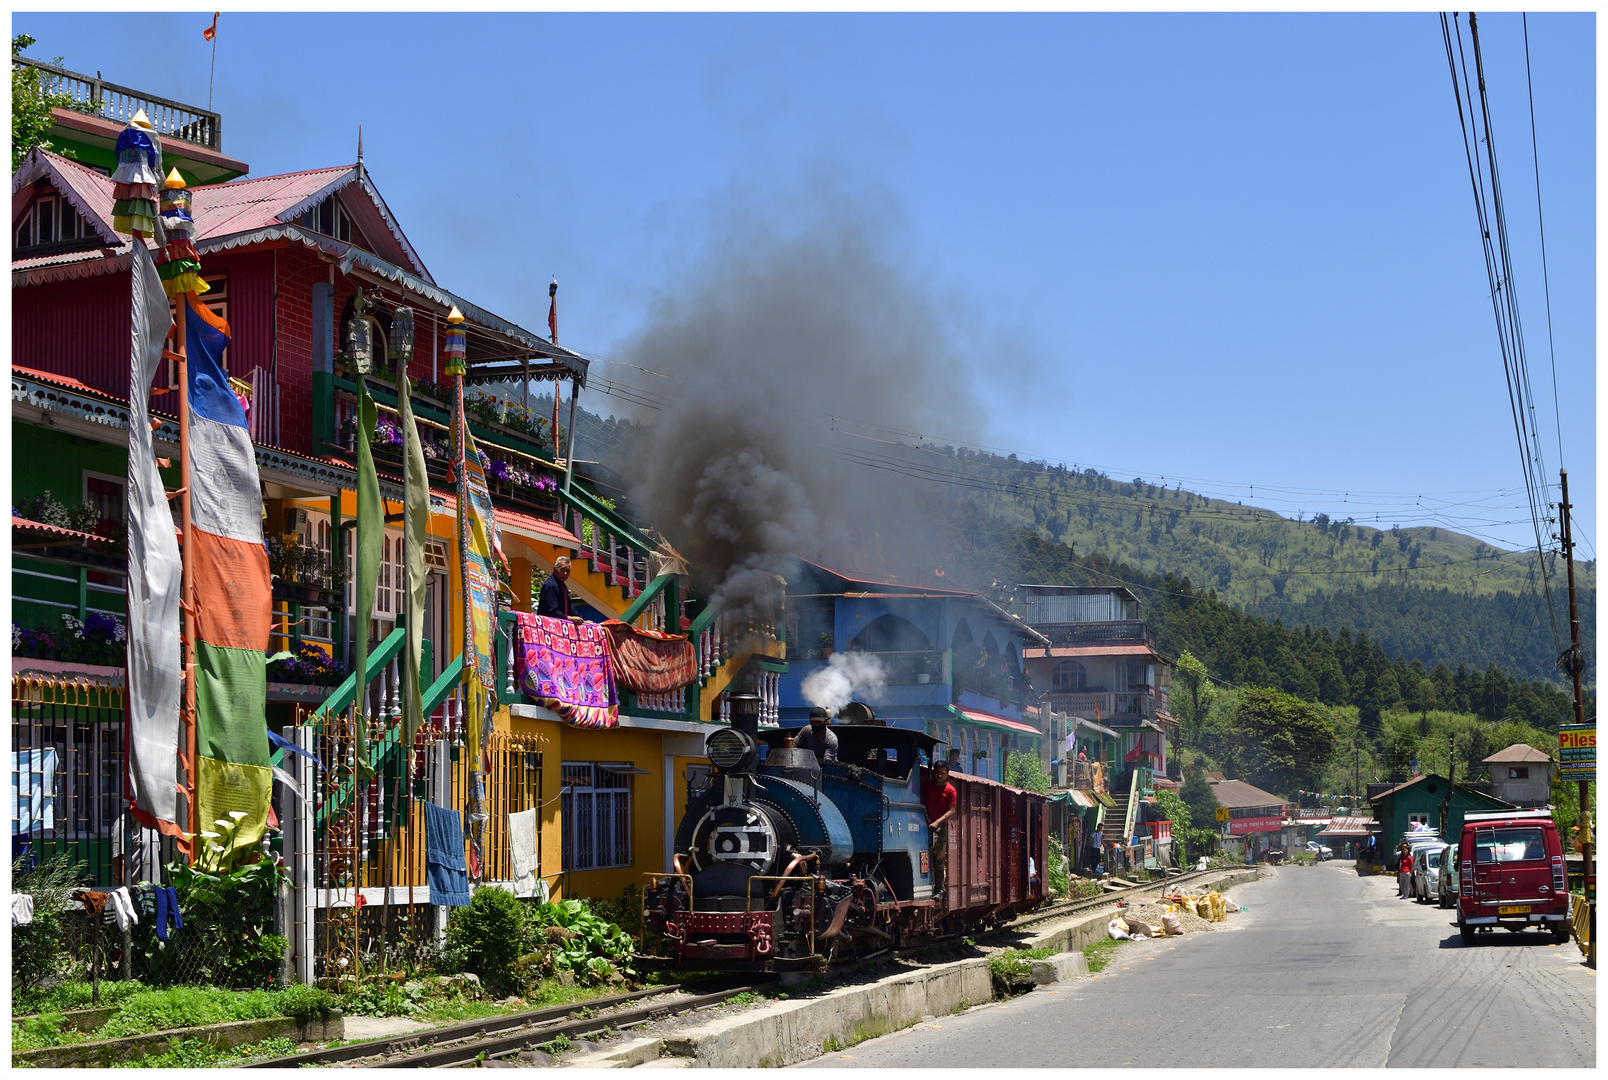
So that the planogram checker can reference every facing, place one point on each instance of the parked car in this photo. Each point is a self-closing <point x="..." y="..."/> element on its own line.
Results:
<point x="1446" y="880"/>
<point x="1322" y="851"/>
<point x="1427" y="862"/>
<point x="1511" y="873"/>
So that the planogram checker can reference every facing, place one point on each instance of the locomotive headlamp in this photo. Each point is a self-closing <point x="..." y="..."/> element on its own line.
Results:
<point x="727" y="748"/>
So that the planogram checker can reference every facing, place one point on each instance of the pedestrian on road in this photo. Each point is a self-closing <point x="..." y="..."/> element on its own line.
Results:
<point x="1404" y="871"/>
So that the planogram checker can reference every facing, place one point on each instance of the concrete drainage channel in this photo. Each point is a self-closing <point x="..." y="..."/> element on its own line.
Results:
<point x="789" y="1031"/>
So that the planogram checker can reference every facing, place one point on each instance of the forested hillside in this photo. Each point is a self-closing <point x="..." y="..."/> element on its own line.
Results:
<point x="1423" y="594"/>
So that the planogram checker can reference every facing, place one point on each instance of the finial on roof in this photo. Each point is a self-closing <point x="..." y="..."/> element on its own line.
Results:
<point x="360" y="146"/>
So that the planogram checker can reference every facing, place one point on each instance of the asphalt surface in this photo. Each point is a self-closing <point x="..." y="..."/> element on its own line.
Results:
<point x="1326" y="968"/>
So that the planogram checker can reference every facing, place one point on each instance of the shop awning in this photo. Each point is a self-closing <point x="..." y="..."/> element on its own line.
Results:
<point x="1105" y="800"/>
<point x="991" y="720"/>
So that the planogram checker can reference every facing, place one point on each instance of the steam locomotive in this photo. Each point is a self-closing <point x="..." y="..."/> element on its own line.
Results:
<point x="783" y="863"/>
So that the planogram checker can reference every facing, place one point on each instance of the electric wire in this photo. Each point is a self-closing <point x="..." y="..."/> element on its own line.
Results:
<point x="1541" y="227"/>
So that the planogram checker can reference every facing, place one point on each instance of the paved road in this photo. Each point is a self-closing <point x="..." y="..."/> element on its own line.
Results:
<point x="1325" y="969"/>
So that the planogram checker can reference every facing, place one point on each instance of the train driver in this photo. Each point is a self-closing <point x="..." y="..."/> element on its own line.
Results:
<point x="941" y="798"/>
<point x="819" y="738"/>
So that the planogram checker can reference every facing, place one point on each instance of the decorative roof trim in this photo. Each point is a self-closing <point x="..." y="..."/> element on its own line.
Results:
<point x="391" y="223"/>
<point x="38" y="164"/>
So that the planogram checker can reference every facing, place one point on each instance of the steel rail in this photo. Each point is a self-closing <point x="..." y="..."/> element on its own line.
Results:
<point x="468" y="1029"/>
<point x="1091" y="902"/>
<point x="467" y="1040"/>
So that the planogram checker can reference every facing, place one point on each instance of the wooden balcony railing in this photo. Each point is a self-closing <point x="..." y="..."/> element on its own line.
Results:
<point x="94" y="96"/>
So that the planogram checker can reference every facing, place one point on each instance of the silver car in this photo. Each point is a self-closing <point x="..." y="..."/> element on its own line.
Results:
<point x="1428" y="862"/>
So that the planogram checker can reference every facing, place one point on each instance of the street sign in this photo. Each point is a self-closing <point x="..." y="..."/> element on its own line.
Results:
<point x="1577" y="752"/>
<point x="1222" y="813"/>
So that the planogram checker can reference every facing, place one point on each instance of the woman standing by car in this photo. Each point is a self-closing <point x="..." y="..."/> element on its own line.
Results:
<point x="1404" y="871"/>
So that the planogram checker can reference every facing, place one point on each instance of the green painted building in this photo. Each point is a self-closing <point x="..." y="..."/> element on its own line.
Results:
<point x="1422" y="799"/>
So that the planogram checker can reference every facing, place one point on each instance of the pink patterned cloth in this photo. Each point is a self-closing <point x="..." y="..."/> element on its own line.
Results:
<point x="565" y="667"/>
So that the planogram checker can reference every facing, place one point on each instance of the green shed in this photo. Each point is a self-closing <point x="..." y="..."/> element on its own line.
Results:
<point x="1421" y="799"/>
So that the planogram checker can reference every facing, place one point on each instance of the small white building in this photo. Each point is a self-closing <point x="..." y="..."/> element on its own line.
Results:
<point x="1521" y="775"/>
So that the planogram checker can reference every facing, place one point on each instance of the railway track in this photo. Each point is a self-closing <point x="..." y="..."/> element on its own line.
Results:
<point x="496" y="1037"/>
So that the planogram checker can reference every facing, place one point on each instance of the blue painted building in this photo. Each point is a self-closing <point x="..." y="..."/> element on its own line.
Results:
<point x="952" y="660"/>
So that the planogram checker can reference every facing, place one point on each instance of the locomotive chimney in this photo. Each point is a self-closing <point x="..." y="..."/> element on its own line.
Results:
<point x="745" y="714"/>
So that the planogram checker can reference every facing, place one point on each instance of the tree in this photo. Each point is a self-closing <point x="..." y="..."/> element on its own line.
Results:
<point x="1192" y="673"/>
<point x="30" y="105"/>
<point x="1287" y="743"/>
<point x="1026" y="771"/>
<point x="1198" y="796"/>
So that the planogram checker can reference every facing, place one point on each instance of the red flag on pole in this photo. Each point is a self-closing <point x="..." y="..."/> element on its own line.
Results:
<point x="212" y="31"/>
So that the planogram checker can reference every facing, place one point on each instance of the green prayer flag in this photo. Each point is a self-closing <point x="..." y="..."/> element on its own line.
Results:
<point x="416" y="525"/>
<point x="370" y="533"/>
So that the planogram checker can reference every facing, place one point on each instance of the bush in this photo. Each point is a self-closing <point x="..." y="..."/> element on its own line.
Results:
<point x="1055" y="874"/>
<point x="226" y="940"/>
<point x="491" y="934"/>
<point x="189" y="1006"/>
<point x="36" y="949"/>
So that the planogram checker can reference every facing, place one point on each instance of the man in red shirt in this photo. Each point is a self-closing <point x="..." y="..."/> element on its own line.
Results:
<point x="940" y="796"/>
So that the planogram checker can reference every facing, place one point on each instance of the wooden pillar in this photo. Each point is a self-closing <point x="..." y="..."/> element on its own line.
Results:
<point x="519" y="582"/>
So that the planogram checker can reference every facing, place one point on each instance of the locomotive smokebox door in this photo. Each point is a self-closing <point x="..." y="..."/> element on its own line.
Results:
<point x="741" y="834"/>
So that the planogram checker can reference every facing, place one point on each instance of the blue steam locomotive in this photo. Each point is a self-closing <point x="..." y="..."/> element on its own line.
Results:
<point x="783" y="862"/>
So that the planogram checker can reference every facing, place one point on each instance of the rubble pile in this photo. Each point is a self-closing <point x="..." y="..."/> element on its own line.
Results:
<point x="1188" y="921"/>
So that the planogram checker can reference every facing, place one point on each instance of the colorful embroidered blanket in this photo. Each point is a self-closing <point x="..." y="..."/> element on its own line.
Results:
<point x="648" y="661"/>
<point x="565" y="666"/>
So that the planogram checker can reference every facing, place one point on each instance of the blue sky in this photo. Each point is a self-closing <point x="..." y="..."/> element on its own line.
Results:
<point x="1233" y="250"/>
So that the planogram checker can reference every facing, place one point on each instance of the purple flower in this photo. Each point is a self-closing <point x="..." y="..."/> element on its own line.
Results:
<point x="499" y="470"/>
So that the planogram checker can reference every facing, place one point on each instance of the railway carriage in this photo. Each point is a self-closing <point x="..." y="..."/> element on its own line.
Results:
<point x="785" y="863"/>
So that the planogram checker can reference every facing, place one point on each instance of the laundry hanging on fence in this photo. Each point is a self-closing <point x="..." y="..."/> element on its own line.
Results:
<point x="522" y="851"/>
<point x="443" y="855"/>
<point x="33" y="790"/>
<point x="566" y="667"/>
<point x="21" y="909"/>
<point x="648" y="661"/>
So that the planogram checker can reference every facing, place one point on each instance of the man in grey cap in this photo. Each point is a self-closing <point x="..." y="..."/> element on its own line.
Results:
<point x="818" y="737"/>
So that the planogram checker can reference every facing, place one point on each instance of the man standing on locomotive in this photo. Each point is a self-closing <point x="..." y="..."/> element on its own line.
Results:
<point x="818" y="737"/>
<point x="941" y="799"/>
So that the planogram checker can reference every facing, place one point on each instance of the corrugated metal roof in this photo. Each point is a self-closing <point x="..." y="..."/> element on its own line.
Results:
<point x="1092" y="650"/>
<point x="39" y="528"/>
<point x="1237" y="794"/>
<point x="88" y="191"/>
<point x="243" y="205"/>
<point x="1347" y="826"/>
<point x="997" y="721"/>
<point x="1518" y="752"/>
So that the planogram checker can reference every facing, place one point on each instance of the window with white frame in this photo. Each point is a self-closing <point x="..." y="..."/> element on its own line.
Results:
<point x="48" y="221"/>
<point x="390" y="586"/>
<point x="313" y="530"/>
<point x="596" y="812"/>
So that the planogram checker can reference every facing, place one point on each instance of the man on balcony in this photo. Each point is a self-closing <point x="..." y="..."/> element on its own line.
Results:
<point x="554" y="600"/>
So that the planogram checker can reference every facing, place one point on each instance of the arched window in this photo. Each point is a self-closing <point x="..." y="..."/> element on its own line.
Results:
<point x="890" y="633"/>
<point x="1069" y="677"/>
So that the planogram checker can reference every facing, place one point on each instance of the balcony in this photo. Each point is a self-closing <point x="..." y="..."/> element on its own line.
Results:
<point x="94" y="96"/>
<point x="1125" y="632"/>
<point x="1087" y="776"/>
<point x="1126" y="708"/>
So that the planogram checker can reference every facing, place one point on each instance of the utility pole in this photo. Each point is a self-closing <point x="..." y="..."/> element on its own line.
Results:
<point x="1451" y="782"/>
<point x="1574" y="663"/>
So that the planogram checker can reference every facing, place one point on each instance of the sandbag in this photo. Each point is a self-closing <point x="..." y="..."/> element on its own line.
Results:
<point x="1171" y="923"/>
<point x="1118" y="929"/>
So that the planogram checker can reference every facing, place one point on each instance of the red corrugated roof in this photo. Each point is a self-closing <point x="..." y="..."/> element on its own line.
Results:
<point x="244" y="205"/>
<point x="997" y="721"/>
<point x="549" y="531"/>
<point x="24" y="525"/>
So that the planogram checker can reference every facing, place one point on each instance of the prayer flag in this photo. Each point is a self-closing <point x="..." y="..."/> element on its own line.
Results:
<point x="212" y="31"/>
<point x="232" y="596"/>
<point x="155" y="576"/>
<point x="416" y="525"/>
<point x="370" y="535"/>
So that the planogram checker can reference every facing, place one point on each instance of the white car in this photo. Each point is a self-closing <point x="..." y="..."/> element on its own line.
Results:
<point x="1322" y="851"/>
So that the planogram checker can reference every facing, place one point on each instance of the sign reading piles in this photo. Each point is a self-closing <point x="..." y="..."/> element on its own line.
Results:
<point x="1577" y="752"/>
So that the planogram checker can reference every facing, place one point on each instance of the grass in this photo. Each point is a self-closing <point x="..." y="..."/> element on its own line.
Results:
<point x="200" y="1054"/>
<point x="1098" y="953"/>
<point x="73" y="995"/>
<point x="142" y="1010"/>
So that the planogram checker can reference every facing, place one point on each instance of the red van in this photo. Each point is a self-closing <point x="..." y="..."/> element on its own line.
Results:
<point x="1510" y="873"/>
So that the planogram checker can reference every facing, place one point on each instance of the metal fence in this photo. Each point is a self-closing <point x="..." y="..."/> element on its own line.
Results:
<point x="360" y="894"/>
<point x="67" y="771"/>
<point x="94" y="96"/>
